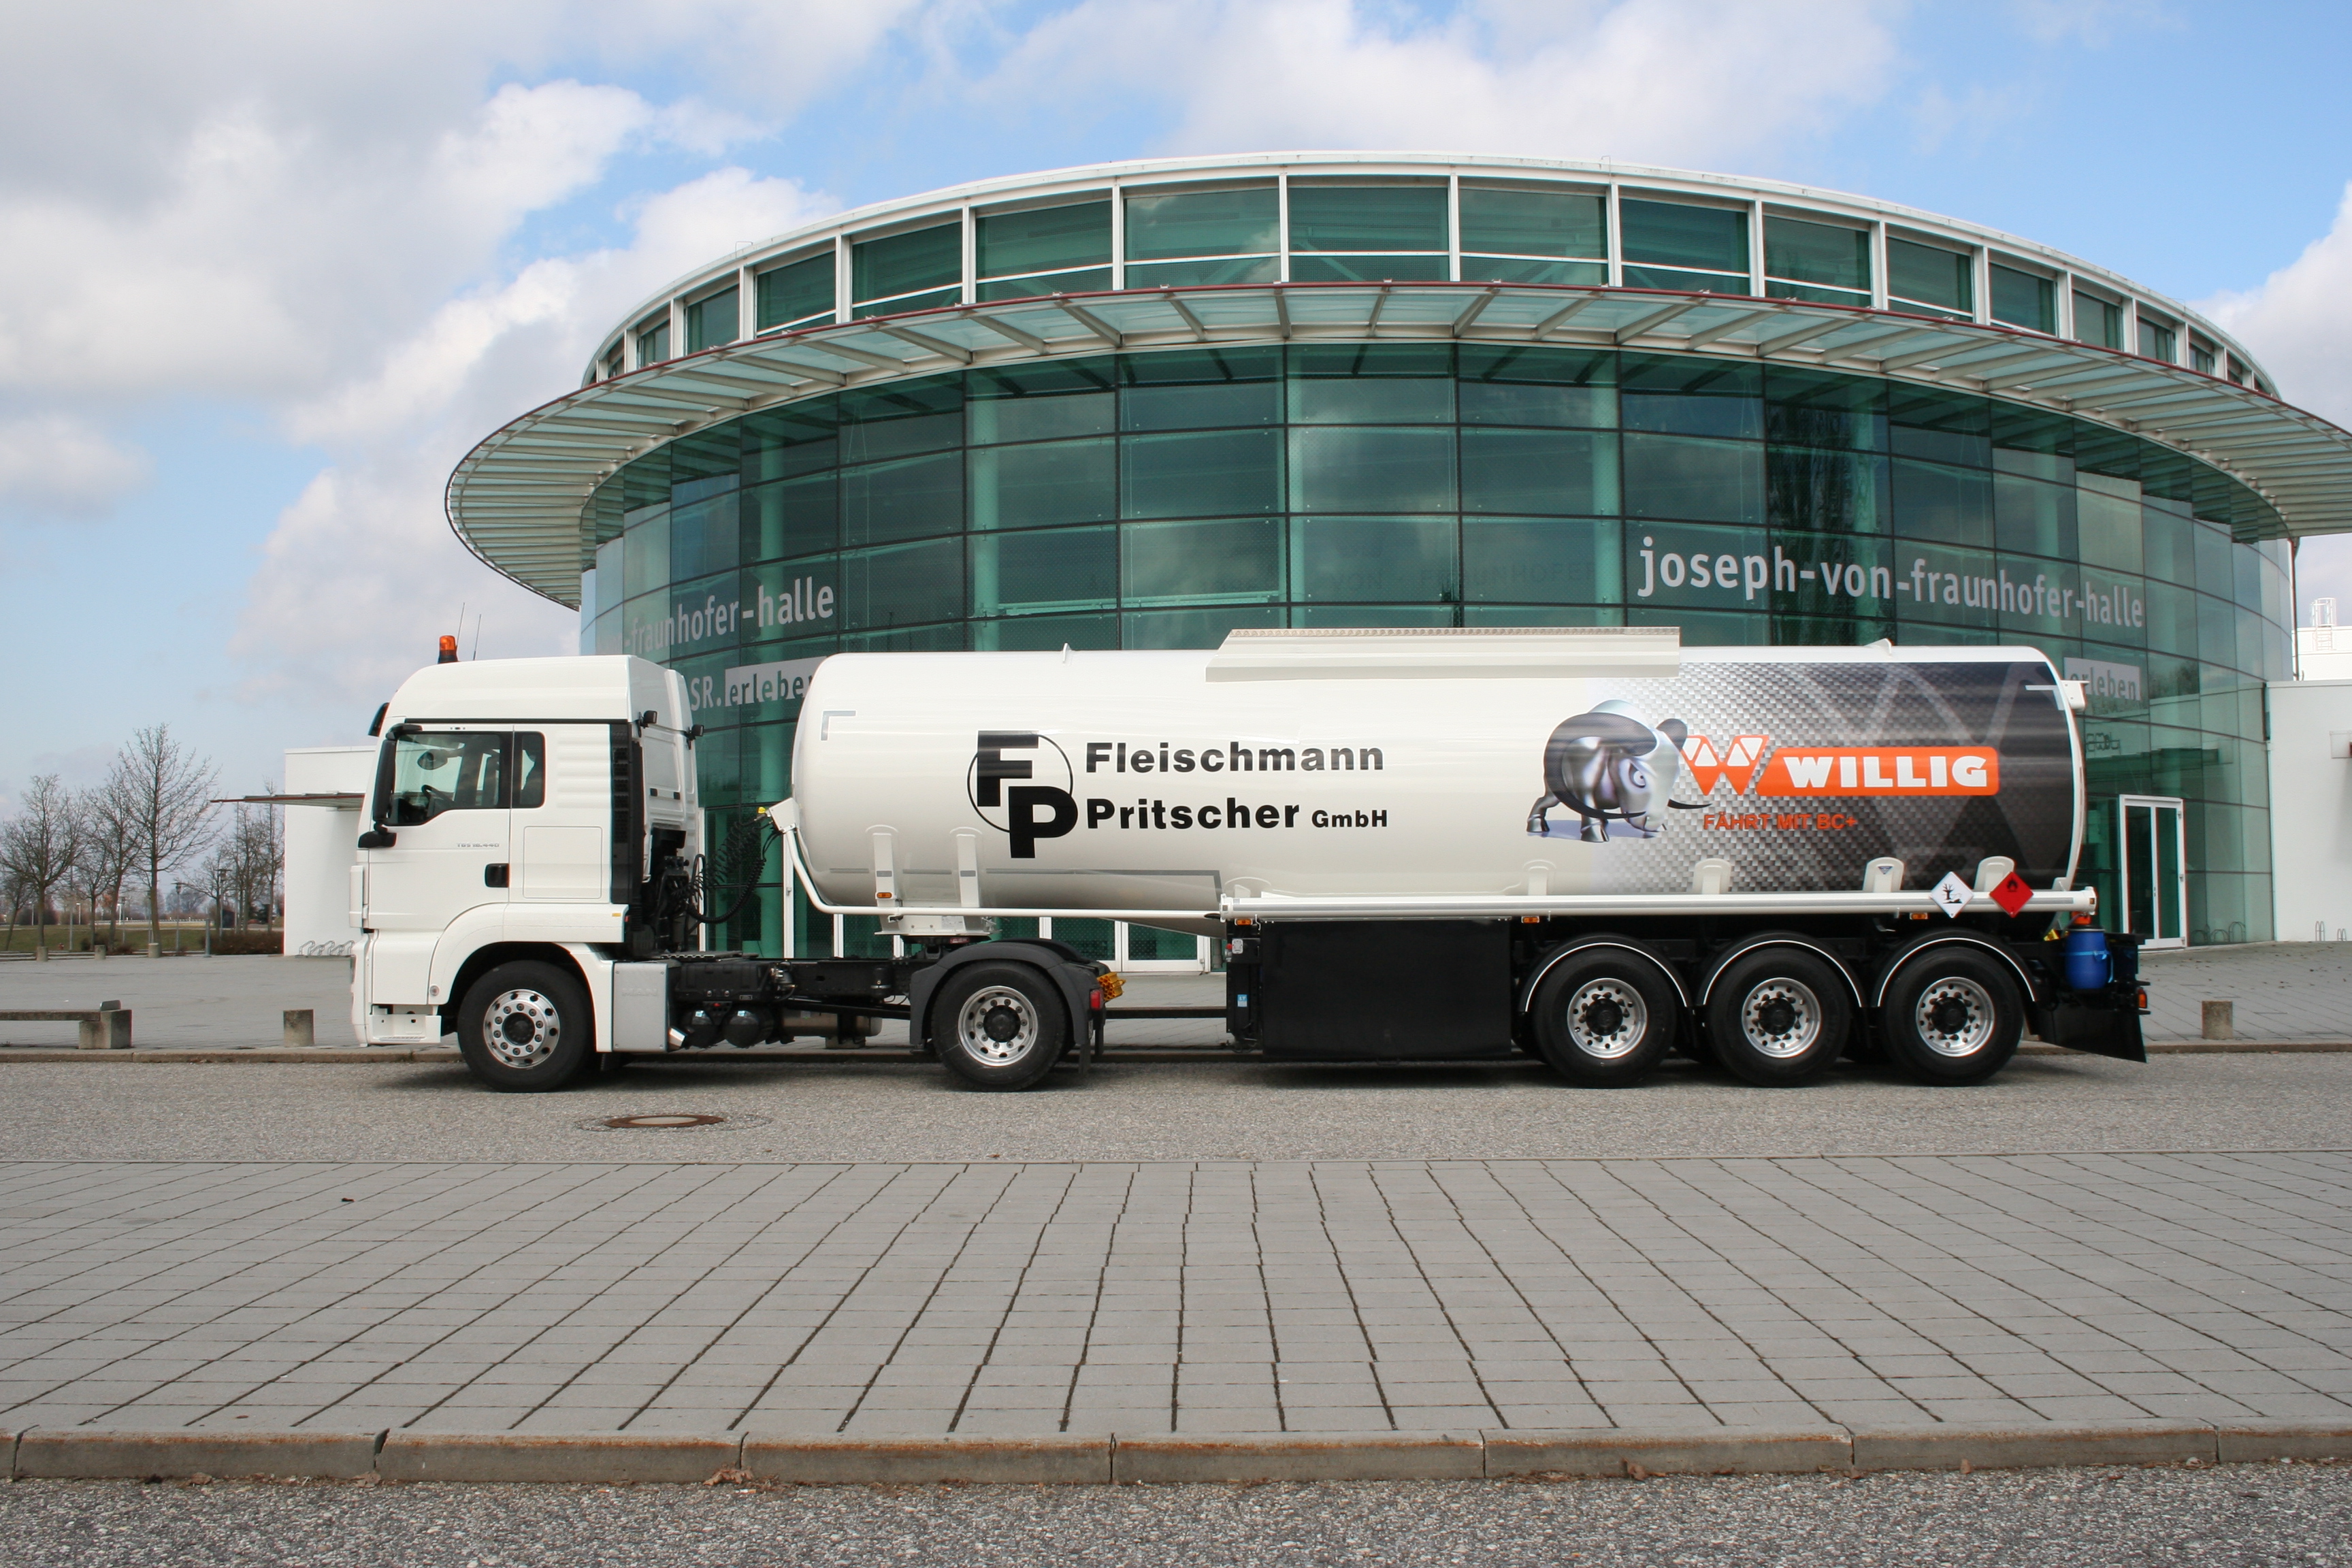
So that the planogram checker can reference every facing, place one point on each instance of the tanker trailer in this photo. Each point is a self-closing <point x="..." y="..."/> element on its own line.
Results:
<point x="1592" y="845"/>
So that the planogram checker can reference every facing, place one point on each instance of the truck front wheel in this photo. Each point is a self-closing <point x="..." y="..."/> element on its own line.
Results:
<point x="999" y="1025"/>
<point x="1603" y="1018"/>
<point x="1779" y="1015"/>
<point x="1951" y="1016"/>
<point x="525" y="1028"/>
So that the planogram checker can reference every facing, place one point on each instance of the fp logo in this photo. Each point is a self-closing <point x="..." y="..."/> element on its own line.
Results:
<point x="1024" y="813"/>
<point x="1740" y="763"/>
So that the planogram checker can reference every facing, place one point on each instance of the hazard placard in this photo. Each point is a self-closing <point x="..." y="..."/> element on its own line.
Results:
<point x="2011" y="892"/>
<point x="1951" y="894"/>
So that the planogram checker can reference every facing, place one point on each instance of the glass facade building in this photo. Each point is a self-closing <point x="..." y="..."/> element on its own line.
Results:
<point x="1144" y="413"/>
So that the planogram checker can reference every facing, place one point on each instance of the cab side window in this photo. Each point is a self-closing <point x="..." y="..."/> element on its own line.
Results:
<point x="530" y="770"/>
<point x="438" y="770"/>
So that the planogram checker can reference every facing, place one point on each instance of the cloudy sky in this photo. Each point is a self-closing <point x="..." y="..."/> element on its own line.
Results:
<point x="268" y="269"/>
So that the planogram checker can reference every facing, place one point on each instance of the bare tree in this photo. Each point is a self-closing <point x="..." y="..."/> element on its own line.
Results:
<point x="258" y="856"/>
<point x="110" y="849"/>
<point x="164" y="793"/>
<point x="41" y="846"/>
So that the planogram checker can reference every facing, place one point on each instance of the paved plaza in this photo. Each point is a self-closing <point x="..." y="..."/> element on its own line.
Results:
<point x="997" y="1298"/>
<point x="1212" y="1247"/>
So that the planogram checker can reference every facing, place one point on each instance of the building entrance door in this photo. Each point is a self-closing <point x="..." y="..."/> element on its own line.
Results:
<point x="2152" y="864"/>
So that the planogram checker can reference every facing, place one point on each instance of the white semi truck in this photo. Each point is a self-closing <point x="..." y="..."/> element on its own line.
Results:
<point x="1593" y="846"/>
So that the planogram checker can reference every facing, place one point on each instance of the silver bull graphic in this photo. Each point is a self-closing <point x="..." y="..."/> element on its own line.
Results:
<point x="1615" y="771"/>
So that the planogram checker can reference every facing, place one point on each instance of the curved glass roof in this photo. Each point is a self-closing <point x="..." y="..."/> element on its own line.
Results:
<point x="1302" y="247"/>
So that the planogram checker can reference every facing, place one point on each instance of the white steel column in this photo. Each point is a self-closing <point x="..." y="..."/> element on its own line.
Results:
<point x="1615" y="238"/>
<point x="1118" y="235"/>
<point x="970" y="284"/>
<point x="1454" y="227"/>
<point x="1282" y="226"/>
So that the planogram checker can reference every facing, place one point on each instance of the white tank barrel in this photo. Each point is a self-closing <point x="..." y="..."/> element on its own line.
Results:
<point x="1319" y="764"/>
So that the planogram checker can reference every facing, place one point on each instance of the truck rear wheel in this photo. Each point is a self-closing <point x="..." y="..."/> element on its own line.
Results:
<point x="1951" y="1016"/>
<point x="1779" y="1015"/>
<point x="1605" y="1018"/>
<point x="999" y="1025"/>
<point x="525" y="1028"/>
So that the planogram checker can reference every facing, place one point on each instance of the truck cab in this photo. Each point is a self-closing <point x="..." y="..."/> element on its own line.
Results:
<point x="519" y="813"/>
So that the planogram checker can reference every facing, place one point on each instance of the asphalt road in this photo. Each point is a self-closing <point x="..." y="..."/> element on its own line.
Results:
<point x="2234" y="1515"/>
<point x="886" y="1108"/>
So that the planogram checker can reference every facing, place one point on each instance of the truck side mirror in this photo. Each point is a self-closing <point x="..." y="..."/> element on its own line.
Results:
<point x="378" y="838"/>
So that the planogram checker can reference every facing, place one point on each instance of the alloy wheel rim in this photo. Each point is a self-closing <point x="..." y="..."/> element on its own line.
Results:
<point x="1954" y="1017"/>
<point x="1607" y="1018"/>
<point x="1781" y="1017"/>
<point x="522" y="1027"/>
<point x="997" y="1026"/>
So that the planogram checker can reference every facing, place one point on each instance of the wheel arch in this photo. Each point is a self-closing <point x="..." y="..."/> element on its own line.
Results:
<point x="1895" y="963"/>
<point x="484" y="959"/>
<point x="1071" y="982"/>
<point x="1587" y="944"/>
<point x="1747" y="945"/>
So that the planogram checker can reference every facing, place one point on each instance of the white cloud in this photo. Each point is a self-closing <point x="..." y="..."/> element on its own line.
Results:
<point x="2093" y="22"/>
<point x="362" y="571"/>
<point x="1671" y="81"/>
<point x="2299" y="322"/>
<point x="56" y="466"/>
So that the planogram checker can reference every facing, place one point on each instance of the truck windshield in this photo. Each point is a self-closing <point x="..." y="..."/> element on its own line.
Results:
<point x="438" y="770"/>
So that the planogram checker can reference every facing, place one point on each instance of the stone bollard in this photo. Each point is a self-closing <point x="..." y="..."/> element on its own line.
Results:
<point x="299" y="1029"/>
<point x="2220" y="1024"/>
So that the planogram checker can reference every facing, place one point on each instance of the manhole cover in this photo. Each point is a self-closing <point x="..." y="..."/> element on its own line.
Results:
<point x="672" y="1121"/>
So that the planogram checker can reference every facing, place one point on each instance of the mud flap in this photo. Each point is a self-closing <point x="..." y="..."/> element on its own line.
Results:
<point x="2105" y="1031"/>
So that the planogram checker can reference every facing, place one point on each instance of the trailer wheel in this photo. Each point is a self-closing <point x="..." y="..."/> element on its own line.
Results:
<point x="1605" y="1019"/>
<point x="999" y="1025"/>
<point x="1952" y="1017"/>
<point x="525" y="1028"/>
<point x="1779" y="1015"/>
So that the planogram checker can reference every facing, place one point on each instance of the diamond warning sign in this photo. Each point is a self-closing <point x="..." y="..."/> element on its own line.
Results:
<point x="1951" y="894"/>
<point x="2011" y="892"/>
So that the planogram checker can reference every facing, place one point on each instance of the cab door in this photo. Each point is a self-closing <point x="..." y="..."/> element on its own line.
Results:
<point x="443" y="794"/>
<point x="563" y="816"/>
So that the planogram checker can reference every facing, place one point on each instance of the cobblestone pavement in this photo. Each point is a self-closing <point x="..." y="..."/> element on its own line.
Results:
<point x="996" y="1298"/>
<point x="2283" y="991"/>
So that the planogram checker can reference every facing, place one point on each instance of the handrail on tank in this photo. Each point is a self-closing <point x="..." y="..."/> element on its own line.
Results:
<point x="1461" y="905"/>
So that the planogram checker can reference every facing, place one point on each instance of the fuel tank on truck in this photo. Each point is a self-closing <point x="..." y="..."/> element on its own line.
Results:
<point x="1310" y="763"/>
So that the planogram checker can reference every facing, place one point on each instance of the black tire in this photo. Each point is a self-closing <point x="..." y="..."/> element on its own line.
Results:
<point x="1779" y="1015"/>
<point x="1605" y="1018"/>
<point x="525" y="1028"/>
<point x="999" y="1025"/>
<point x="1952" y="1015"/>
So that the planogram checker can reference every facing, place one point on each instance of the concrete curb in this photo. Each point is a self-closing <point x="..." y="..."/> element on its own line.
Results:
<point x="1607" y="1451"/>
<point x="2026" y="1447"/>
<point x="592" y="1457"/>
<point x="310" y="1055"/>
<point x="1067" y="1458"/>
<point x="338" y="1056"/>
<point x="1302" y="1457"/>
<point x="611" y="1458"/>
<point x="66" y="1453"/>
